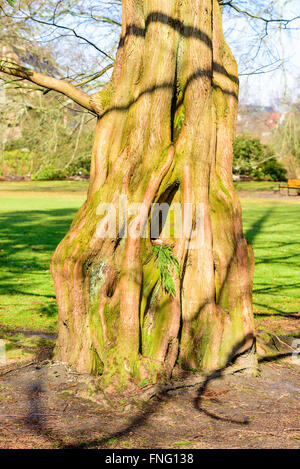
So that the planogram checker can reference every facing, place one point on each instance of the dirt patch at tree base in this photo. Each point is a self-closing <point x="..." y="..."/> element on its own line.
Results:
<point x="48" y="406"/>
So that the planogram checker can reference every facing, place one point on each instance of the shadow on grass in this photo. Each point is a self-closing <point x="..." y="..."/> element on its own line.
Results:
<point x="27" y="241"/>
<point x="279" y="261"/>
<point x="256" y="227"/>
<point x="276" y="312"/>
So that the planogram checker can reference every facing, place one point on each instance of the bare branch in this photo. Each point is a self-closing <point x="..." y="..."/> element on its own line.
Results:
<point x="258" y="17"/>
<point x="73" y="32"/>
<point x="50" y="83"/>
<point x="97" y="75"/>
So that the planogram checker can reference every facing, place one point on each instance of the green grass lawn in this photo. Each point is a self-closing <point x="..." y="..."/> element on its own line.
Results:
<point x="256" y="186"/>
<point x="32" y="224"/>
<point x="45" y="186"/>
<point x="81" y="186"/>
<point x="273" y="229"/>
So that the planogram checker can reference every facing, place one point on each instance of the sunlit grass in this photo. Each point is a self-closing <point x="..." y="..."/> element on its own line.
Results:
<point x="273" y="228"/>
<point x="256" y="186"/>
<point x="44" y="186"/>
<point x="30" y="229"/>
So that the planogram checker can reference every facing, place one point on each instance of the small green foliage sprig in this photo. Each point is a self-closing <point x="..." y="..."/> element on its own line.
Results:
<point x="165" y="261"/>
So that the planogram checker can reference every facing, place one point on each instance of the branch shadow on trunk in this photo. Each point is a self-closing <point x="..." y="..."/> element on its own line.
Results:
<point x="170" y="86"/>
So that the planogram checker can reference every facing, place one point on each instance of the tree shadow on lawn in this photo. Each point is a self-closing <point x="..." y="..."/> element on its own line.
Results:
<point x="27" y="242"/>
<point x="252" y="232"/>
<point x="285" y="260"/>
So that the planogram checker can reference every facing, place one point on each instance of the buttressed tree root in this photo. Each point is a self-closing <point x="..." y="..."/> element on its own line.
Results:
<point x="164" y="133"/>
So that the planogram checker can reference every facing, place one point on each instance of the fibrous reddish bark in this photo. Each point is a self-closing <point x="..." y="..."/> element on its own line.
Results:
<point x="165" y="132"/>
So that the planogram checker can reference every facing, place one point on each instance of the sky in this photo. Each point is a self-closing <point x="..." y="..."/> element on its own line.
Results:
<point x="280" y="49"/>
<point x="277" y="53"/>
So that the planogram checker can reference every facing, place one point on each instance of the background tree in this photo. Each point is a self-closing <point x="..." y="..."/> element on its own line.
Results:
<point x="32" y="36"/>
<point x="51" y="36"/>
<point x="252" y="158"/>
<point x="30" y="146"/>
<point x="287" y="138"/>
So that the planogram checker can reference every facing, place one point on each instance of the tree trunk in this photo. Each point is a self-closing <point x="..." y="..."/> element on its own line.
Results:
<point x="164" y="134"/>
